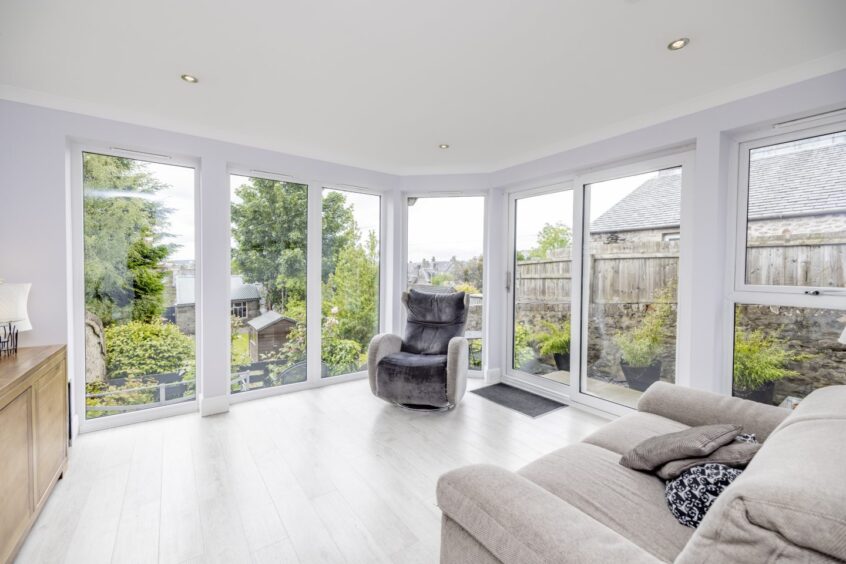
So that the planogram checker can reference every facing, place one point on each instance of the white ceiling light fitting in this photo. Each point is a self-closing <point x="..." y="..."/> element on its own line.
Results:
<point x="443" y="146"/>
<point x="677" y="44"/>
<point x="189" y="78"/>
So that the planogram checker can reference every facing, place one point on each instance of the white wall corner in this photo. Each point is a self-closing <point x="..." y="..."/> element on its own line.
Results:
<point x="213" y="405"/>
<point x="493" y="376"/>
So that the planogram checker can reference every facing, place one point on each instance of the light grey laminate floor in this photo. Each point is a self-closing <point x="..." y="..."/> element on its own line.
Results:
<point x="324" y="475"/>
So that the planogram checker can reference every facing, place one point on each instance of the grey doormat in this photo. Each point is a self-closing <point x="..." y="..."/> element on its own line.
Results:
<point x="518" y="400"/>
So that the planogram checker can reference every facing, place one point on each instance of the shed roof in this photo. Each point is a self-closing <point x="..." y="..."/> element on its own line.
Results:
<point x="267" y="319"/>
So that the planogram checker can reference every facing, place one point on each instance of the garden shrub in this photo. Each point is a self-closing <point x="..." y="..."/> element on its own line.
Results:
<point x="137" y="349"/>
<point x="760" y="358"/>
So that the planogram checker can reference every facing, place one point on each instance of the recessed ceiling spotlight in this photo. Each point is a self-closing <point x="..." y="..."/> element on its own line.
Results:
<point x="679" y="43"/>
<point x="189" y="78"/>
<point x="443" y="146"/>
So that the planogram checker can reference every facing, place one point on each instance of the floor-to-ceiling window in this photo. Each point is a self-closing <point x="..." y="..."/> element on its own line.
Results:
<point x="542" y="284"/>
<point x="139" y="284"/>
<point x="790" y="288"/>
<point x="445" y="240"/>
<point x="350" y="279"/>
<point x="629" y="283"/>
<point x="268" y="287"/>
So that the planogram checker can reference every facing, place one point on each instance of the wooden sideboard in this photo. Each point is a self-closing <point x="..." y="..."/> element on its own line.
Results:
<point x="33" y="438"/>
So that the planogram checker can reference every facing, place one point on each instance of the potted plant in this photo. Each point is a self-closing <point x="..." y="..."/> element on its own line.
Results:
<point x="555" y="341"/>
<point x="641" y="347"/>
<point x="761" y="360"/>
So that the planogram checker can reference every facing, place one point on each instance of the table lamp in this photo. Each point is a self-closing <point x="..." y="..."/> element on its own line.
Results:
<point x="13" y="316"/>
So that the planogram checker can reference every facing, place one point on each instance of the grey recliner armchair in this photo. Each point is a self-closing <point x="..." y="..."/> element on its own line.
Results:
<point x="428" y="368"/>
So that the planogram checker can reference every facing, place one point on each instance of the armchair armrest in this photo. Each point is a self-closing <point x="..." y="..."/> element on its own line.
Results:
<point x="698" y="407"/>
<point x="518" y="521"/>
<point x="458" y="357"/>
<point x="380" y="346"/>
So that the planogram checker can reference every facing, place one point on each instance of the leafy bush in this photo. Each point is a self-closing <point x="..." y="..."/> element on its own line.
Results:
<point x="475" y="346"/>
<point x="555" y="339"/>
<point x="760" y="358"/>
<point x="467" y="288"/>
<point x="523" y="351"/>
<point x="138" y="349"/>
<point x="641" y="346"/>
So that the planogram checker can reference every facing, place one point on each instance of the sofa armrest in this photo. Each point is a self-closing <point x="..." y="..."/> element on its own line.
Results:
<point x="697" y="407"/>
<point x="380" y="346"/>
<point x="458" y="357"/>
<point x="518" y="521"/>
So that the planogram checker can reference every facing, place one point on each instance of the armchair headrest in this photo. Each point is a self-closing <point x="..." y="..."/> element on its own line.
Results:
<point x="426" y="307"/>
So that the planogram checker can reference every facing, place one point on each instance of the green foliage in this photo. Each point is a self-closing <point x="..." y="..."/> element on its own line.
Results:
<point x="760" y="358"/>
<point x="554" y="339"/>
<point x="122" y="231"/>
<point x="270" y="229"/>
<point x="240" y="343"/>
<point x="475" y="346"/>
<point x="467" y="288"/>
<point x="470" y="272"/>
<point x="134" y="391"/>
<point x="136" y="349"/>
<point x="523" y="351"/>
<point x="351" y="294"/>
<point x="441" y="279"/>
<point x="551" y="237"/>
<point x="641" y="346"/>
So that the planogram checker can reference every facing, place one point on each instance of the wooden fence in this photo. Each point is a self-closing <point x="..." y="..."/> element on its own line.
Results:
<point x="619" y="273"/>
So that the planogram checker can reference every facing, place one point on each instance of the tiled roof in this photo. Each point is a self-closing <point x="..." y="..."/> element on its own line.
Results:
<point x="789" y="184"/>
<point x="655" y="203"/>
<point x="185" y="290"/>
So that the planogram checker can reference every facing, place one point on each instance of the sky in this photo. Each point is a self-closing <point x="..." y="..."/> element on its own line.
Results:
<point x="439" y="226"/>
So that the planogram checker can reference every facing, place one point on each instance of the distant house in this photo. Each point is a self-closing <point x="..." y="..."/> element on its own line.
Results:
<point x="244" y="302"/>
<point x="268" y="333"/>
<point x="423" y="273"/>
<point x="799" y="193"/>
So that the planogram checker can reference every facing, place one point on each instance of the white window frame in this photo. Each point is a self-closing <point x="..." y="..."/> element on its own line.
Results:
<point x="738" y="292"/>
<point x="572" y="393"/>
<point x="314" y="295"/>
<point x="471" y="373"/>
<point x="383" y="277"/>
<point x="518" y="378"/>
<point x="77" y="335"/>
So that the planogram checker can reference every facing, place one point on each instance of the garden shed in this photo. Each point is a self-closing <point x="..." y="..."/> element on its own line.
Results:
<point x="268" y="333"/>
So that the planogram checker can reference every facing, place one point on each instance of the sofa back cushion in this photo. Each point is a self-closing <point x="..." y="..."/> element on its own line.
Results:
<point x="790" y="503"/>
<point x="433" y="319"/>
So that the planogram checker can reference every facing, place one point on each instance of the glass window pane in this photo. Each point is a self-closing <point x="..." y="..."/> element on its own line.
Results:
<point x="782" y="354"/>
<point x="542" y="285"/>
<point x="268" y="283"/>
<point x="796" y="231"/>
<point x="351" y="223"/>
<point x="445" y="244"/>
<point x="138" y="223"/>
<point x="631" y="269"/>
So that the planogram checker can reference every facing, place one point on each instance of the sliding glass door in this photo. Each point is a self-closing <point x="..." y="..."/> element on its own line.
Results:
<point x="542" y="262"/>
<point x="593" y="284"/>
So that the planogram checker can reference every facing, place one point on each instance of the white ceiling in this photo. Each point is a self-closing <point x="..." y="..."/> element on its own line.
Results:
<point x="380" y="83"/>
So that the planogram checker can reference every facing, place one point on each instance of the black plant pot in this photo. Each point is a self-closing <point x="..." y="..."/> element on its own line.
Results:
<point x="763" y="394"/>
<point x="641" y="377"/>
<point x="562" y="361"/>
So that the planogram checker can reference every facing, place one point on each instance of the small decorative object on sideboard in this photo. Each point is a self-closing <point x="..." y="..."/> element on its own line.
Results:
<point x="13" y="316"/>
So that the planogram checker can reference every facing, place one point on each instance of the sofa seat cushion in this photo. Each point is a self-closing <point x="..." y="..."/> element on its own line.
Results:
<point x="631" y="503"/>
<point x="625" y="433"/>
<point x="417" y="379"/>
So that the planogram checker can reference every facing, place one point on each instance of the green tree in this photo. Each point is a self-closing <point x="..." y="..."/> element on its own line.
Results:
<point x="270" y="227"/>
<point x="123" y="229"/>
<point x="551" y="237"/>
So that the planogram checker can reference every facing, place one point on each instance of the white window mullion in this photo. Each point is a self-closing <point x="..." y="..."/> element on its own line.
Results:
<point x="314" y="284"/>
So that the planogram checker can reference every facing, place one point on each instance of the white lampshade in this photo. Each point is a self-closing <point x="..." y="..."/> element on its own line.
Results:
<point x="13" y="305"/>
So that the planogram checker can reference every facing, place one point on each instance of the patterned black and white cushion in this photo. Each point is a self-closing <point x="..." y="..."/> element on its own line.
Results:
<point x="691" y="495"/>
<point x="746" y="438"/>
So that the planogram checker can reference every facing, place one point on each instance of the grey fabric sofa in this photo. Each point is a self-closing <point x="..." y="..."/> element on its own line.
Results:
<point x="427" y="369"/>
<point x="578" y="504"/>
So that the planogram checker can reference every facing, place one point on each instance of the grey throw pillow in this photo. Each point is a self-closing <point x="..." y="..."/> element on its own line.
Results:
<point x="735" y="455"/>
<point x="695" y="442"/>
